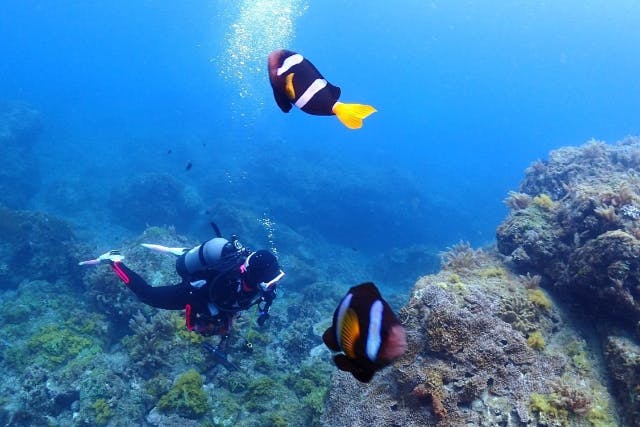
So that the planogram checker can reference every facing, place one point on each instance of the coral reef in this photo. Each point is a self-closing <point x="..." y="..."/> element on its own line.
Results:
<point x="102" y="411"/>
<point x="186" y="397"/>
<point x="92" y="354"/>
<point x="54" y="364"/>
<point x="151" y="340"/>
<point x="460" y="258"/>
<point x="469" y="360"/>
<point x="583" y="241"/>
<point x="536" y="340"/>
<point x="492" y="340"/>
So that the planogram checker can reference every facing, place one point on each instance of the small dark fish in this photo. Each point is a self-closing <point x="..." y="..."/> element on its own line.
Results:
<point x="296" y="81"/>
<point x="169" y="151"/>
<point x="189" y="166"/>
<point x="366" y="331"/>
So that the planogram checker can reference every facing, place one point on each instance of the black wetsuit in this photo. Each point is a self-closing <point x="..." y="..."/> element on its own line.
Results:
<point x="227" y="293"/>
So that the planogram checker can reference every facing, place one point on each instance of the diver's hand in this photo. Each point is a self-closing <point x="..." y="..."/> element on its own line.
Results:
<point x="106" y="258"/>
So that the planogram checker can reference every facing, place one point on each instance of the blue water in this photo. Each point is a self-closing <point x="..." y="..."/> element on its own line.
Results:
<point x="469" y="93"/>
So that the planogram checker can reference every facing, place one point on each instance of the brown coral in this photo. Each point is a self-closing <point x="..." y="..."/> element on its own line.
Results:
<point x="520" y="313"/>
<point x="151" y="340"/>
<point x="571" y="396"/>
<point x="460" y="258"/>
<point x="516" y="201"/>
<point x="427" y="392"/>
<point x="531" y="282"/>
<point x="608" y="213"/>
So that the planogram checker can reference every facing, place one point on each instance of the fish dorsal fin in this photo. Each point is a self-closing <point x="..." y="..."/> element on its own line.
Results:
<point x="288" y="87"/>
<point x="349" y="333"/>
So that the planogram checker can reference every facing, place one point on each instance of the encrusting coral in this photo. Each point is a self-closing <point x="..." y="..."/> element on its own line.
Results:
<point x="186" y="397"/>
<point x="536" y="340"/>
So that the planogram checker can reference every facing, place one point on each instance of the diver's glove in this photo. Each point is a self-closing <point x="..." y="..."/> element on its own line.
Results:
<point x="106" y="258"/>
<point x="263" y="318"/>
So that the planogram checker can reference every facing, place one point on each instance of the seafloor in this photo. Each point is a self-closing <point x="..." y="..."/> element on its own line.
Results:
<point x="540" y="329"/>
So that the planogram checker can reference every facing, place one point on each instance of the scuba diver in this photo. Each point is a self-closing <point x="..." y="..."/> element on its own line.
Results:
<point x="219" y="279"/>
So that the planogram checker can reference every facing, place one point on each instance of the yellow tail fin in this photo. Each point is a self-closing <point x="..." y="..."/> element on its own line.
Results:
<point x="351" y="115"/>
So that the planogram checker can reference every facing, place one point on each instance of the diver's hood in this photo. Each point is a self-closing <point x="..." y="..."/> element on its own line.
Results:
<point x="261" y="266"/>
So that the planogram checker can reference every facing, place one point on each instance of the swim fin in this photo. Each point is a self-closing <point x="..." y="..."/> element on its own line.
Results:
<point x="351" y="115"/>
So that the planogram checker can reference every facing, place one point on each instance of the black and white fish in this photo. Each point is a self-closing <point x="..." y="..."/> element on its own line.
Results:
<point x="366" y="331"/>
<point x="295" y="81"/>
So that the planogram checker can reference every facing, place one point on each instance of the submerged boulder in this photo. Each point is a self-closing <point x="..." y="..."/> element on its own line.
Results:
<point x="36" y="246"/>
<point x="20" y="128"/>
<point x="586" y="247"/>
<point x="624" y="364"/>
<point x="576" y="222"/>
<point x="154" y="199"/>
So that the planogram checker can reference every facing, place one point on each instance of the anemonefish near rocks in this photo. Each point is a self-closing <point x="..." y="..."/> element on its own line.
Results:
<point x="295" y="81"/>
<point x="367" y="331"/>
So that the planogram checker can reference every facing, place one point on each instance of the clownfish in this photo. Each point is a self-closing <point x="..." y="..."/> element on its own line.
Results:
<point x="366" y="331"/>
<point x="295" y="81"/>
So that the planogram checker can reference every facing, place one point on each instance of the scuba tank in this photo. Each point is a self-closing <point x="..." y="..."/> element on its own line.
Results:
<point x="217" y="254"/>
<point x="214" y="255"/>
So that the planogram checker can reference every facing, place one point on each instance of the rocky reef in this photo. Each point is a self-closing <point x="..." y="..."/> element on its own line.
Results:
<point x="154" y="199"/>
<point x="576" y="223"/>
<point x="541" y="330"/>
<point x="20" y="128"/>
<point x="487" y="347"/>
<point x="370" y="210"/>
<point x="91" y="354"/>
<point x="36" y="246"/>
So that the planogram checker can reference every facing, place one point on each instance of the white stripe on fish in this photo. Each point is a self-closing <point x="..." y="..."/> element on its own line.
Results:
<point x="374" y="339"/>
<point x="315" y="87"/>
<point x="290" y="62"/>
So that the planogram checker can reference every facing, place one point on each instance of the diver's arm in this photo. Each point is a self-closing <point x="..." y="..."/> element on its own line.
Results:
<point x="173" y="297"/>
